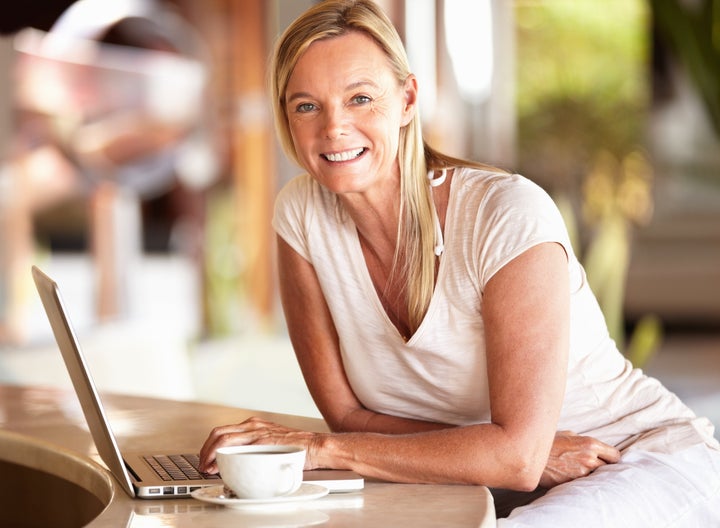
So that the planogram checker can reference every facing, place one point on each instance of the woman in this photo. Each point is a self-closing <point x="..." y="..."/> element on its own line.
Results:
<point x="441" y="321"/>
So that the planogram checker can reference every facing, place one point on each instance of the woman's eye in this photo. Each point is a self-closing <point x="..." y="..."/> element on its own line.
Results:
<point x="361" y="99"/>
<point x="305" y="107"/>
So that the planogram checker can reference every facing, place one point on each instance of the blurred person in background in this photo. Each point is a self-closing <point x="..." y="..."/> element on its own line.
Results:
<point x="108" y="103"/>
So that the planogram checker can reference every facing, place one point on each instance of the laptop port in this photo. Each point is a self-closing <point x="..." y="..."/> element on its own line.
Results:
<point x="182" y="490"/>
<point x="168" y="490"/>
<point x="154" y="491"/>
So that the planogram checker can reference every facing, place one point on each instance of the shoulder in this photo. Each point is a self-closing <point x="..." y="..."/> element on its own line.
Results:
<point x="294" y="213"/>
<point x="296" y="188"/>
<point x="497" y="192"/>
<point x="303" y="207"/>
<point x="500" y="215"/>
<point x="293" y="203"/>
<point x="302" y="193"/>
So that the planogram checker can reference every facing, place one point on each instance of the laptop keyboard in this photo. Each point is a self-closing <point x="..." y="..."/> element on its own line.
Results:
<point x="178" y="467"/>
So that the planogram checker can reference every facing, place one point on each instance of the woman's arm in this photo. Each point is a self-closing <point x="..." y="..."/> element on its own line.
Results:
<point x="526" y="315"/>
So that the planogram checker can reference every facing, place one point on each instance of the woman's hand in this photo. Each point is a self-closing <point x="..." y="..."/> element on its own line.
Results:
<point x="256" y="431"/>
<point x="574" y="456"/>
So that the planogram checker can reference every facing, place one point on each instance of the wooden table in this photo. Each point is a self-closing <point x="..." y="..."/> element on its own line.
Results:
<point x="140" y="423"/>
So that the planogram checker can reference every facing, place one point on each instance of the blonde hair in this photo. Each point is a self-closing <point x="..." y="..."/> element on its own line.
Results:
<point x="416" y="235"/>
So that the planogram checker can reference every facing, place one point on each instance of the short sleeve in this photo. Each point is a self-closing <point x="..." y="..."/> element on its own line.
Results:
<point x="516" y="214"/>
<point x="292" y="214"/>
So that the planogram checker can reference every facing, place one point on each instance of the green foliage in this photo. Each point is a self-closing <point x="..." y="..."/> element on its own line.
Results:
<point x="645" y="340"/>
<point x="693" y="31"/>
<point x="581" y="85"/>
<point x="223" y="265"/>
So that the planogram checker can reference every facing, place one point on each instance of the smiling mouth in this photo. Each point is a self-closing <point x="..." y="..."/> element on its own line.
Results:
<point x="344" y="156"/>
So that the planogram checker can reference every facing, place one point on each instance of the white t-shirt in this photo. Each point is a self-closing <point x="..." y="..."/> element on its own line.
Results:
<point x="440" y="374"/>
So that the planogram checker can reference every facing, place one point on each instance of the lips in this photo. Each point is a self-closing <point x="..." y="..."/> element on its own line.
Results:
<point x="345" y="155"/>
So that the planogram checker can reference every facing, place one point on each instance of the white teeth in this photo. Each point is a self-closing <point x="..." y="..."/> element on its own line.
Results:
<point x="344" y="156"/>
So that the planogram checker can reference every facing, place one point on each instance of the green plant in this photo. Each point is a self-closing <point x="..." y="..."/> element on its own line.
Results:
<point x="692" y="30"/>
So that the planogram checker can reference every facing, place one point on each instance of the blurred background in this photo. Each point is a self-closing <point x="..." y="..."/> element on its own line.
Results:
<point x="138" y="167"/>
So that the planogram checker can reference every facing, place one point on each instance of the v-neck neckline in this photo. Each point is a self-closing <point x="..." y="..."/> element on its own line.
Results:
<point x="369" y="286"/>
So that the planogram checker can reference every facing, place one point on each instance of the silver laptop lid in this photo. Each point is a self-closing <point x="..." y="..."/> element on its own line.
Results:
<point x="81" y="379"/>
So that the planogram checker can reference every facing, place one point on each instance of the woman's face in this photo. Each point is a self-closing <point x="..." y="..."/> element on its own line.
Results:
<point x="345" y="109"/>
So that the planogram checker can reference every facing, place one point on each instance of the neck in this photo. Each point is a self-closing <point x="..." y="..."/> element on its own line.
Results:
<point x="377" y="219"/>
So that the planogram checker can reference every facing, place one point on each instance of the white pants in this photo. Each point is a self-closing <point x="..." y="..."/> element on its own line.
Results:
<point x="643" y="490"/>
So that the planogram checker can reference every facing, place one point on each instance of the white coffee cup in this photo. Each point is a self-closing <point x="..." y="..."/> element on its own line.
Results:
<point x="261" y="471"/>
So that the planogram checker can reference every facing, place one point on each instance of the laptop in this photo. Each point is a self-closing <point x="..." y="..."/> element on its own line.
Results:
<point x="142" y="475"/>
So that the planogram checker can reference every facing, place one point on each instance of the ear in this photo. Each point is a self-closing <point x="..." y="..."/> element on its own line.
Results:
<point x="410" y="94"/>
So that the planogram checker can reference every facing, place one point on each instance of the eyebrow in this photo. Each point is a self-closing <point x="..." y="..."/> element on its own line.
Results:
<point x="306" y="95"/>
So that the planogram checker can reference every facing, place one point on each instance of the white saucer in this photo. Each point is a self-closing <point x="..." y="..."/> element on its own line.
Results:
<point x="217" y="495"/>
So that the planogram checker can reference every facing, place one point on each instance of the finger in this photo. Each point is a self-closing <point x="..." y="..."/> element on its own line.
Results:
<point x="599" y="461"/>
<point x="207" y="446"/>
<point x="219" y="437"/>
<point x="609" y="454"/>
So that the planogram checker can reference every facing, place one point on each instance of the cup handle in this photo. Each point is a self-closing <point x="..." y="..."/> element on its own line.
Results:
<point x="288" y="469"/>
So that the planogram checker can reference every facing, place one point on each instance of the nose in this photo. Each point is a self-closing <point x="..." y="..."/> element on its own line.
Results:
<point x="335" y="122"/>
